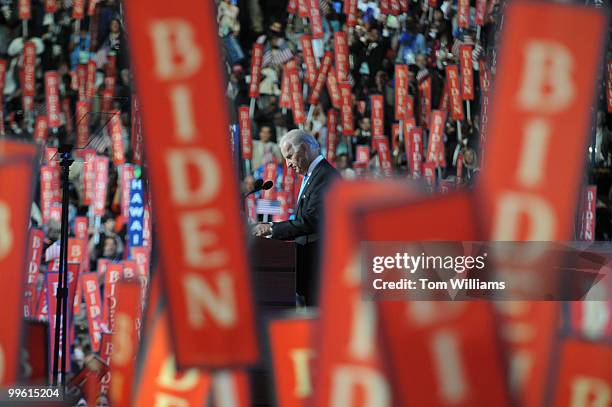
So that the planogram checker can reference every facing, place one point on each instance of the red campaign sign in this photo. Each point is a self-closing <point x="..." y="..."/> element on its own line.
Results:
<point x="29" y="69"/>
<point x="78" y="9"/>
<point x="609" y="84"/>
<point x="25" y="10"/>
<point x="82" y="120"/>
<point x="332" y="135"/>
<point x="91" y="79"/>
<point x="293" y="360"/>
<point x="297" y="103"/>
<point x="91" y="7"/>
<point x="91" y="292"/>
<point x="205" y="269"/>
<point x="321" y="78"/>
<point x="591" y="319"/>
<point x="140" y="255"/>
<point x="310" y="75"/>
<point x="35" y="247"/>
<point x="52" y="98"/>
<point x="285" y="203"/>
<point x="436" y="336"/>
<point x="436" y="130"/>
<point x="51" y="6"/>
<point x="109" y="85"/>
<point x="536" y="199"/>
<point x="302" y="8"/>
<point x="384" y="155"/>
<point x="100" y="165"/>
<point x="333" y="89"/>
<point x="401" y="92"/>
<point x="463" y="13"/>
<point x="384" y="6"/>
<point x="285" y="97"/>
<point x="128" y="319"/>
<point x="55" y="213"/>
<point x="117" y="138"/>
<point x="481" y="11"/>
<point x="251" y="208"/>
<point x="231" y="388"/>
<point x="348" y="348"/>
<point x="459" y="167"/>
<point x="89" y="175"/>
<point x="67" y="116"/>
<point x="341" y="53"/>
<point x="107" y="100"/>
<point x="114" y="272"/>
<point x="467" y="75"/>
<point x="288" y="179"/>
<point x="425" y="101"/>
<point x="77" y="248"/>
<point x="256" y="62"/>
<point x="351" y="12"/>
<point x="429" y="174"/>
<point x="378" y="115"/>
<point x="452" y="81"/>
<point x="292" y="6"/>
<point x="485" y="82"/>
<point x="587" y="232"/>
<point x="161" y="382"/>
<point x="81" y="74"/>
<point x="395" y="7"/>
<point x="583" y="377"/>
<point x="136" y="131"/>
<point x="130" y="269"/>
<point x="40" y="129"/>
<point x="346" y="113"/>
<point x="126" y="177"/>
<point x="362" y="154"/>
<point x="314" y="14"/>
<point x="81" y="227"/>
<point x="395" y="135"/>
<point x="246" y="132"/>
<point x="46" y="192"/>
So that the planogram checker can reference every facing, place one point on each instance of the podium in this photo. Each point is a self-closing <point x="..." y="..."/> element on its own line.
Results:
<point x="273" y="273"/>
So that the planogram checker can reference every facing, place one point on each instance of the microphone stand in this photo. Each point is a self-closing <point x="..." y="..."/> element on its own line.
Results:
<point x="61" y="309"/>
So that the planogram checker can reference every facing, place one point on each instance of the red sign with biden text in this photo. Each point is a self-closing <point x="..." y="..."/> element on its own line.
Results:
<point x="206" y="275"/>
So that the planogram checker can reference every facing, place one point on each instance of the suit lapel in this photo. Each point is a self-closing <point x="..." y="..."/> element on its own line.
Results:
<point x="311" y="179"/>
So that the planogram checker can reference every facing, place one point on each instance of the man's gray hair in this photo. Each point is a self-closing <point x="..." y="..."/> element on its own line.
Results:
<point x="297" y="137"/>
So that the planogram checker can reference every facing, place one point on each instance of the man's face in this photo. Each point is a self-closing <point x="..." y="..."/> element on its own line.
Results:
<point x="110" y="248"/>
<point x="265" y="134"/>
<point x="296" y="159"/>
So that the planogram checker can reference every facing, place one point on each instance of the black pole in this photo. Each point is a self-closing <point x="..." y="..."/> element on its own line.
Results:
<point x="65" y="163"/>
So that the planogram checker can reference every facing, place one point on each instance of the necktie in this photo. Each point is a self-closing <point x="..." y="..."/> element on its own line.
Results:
<point x="304" y="181"/>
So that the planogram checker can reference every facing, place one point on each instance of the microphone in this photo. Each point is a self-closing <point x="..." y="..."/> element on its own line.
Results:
<point x="259" y="185"/>
<point x="267" y="185"/>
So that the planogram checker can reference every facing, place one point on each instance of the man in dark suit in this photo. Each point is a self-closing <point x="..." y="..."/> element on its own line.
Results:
<point x="302" y="153"/>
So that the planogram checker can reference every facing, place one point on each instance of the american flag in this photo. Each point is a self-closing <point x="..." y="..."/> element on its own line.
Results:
<point x="278" y="56"/>
<point x="268" y="207"/>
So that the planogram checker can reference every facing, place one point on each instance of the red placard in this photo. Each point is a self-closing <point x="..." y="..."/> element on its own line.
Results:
<point x="529" y="192"/>
<point x="314" y="14"/>
<point x="333" y="89"/>
<point x="100" y="185"/>
<point x="51" y="6"/>
<point x="46" y="192"/>
<point x="81" y="72"/>
<point x="256" y="61"/>
<point x="293" y="359"/>
<point x="91" y="292"/>
<point x="114" y="272"/>
<point x="40" y="129"/>
<point x="136" y="131"/>
<point x="107" y="101"/>
<point x="588" y="215"/>
<point x="584" y="377"/>
<point x="117" y="138"/>
<point x="452" y="81"/>
<point x="395" y="135"/>
<point x="467" y="75"/>
<point x="160" y="381"/>
<point x="436" y="130"/>
<point x="52" y="95"/>
<point x="126" y="177"/>
<point x="362" y="154"/>
<point x="429" y="175"/>
<point x="82" y="120"/>
<point x="310" y="76"/>
<point x="378" y="115"/>
<point x="288" y="179"/>
<point x="206" y="275"/>
<point x="77" y="248"/>
<point x="297" y="102"/>
<point x="425" y="101"/>
<point x="341" y="52"/>
<point x="321" y="77"/>
<point x="25" y="9"/>
<point x="481" y="11"/>
<point x="29" y="69"/>
<point x="401" y="92"/>
<point x="89" y="175"/>
<point x="81" y="227"/>
<point x="332" y="135"/>
<point x="91" y="79"/>
<point x="346" y="113"/>
<point x="78" y="9"/>
<point x="285" y="97"/>
<point x="292" y="6"/>
<point x="302" y="8"/>
<point x="251" y="208"/>
<point x="463" y="13"/>
<point x="351" y="12"/>
<point x="35" y="247"/>
<point x="140" y="255"/>
<point x="246" y="135"/>
<point x="384" y="154"/>
<point x="348" y="347"/>
<point x="91" y="7"/>
<point x="609" y="84"/>
<point x="485" y="83"/>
